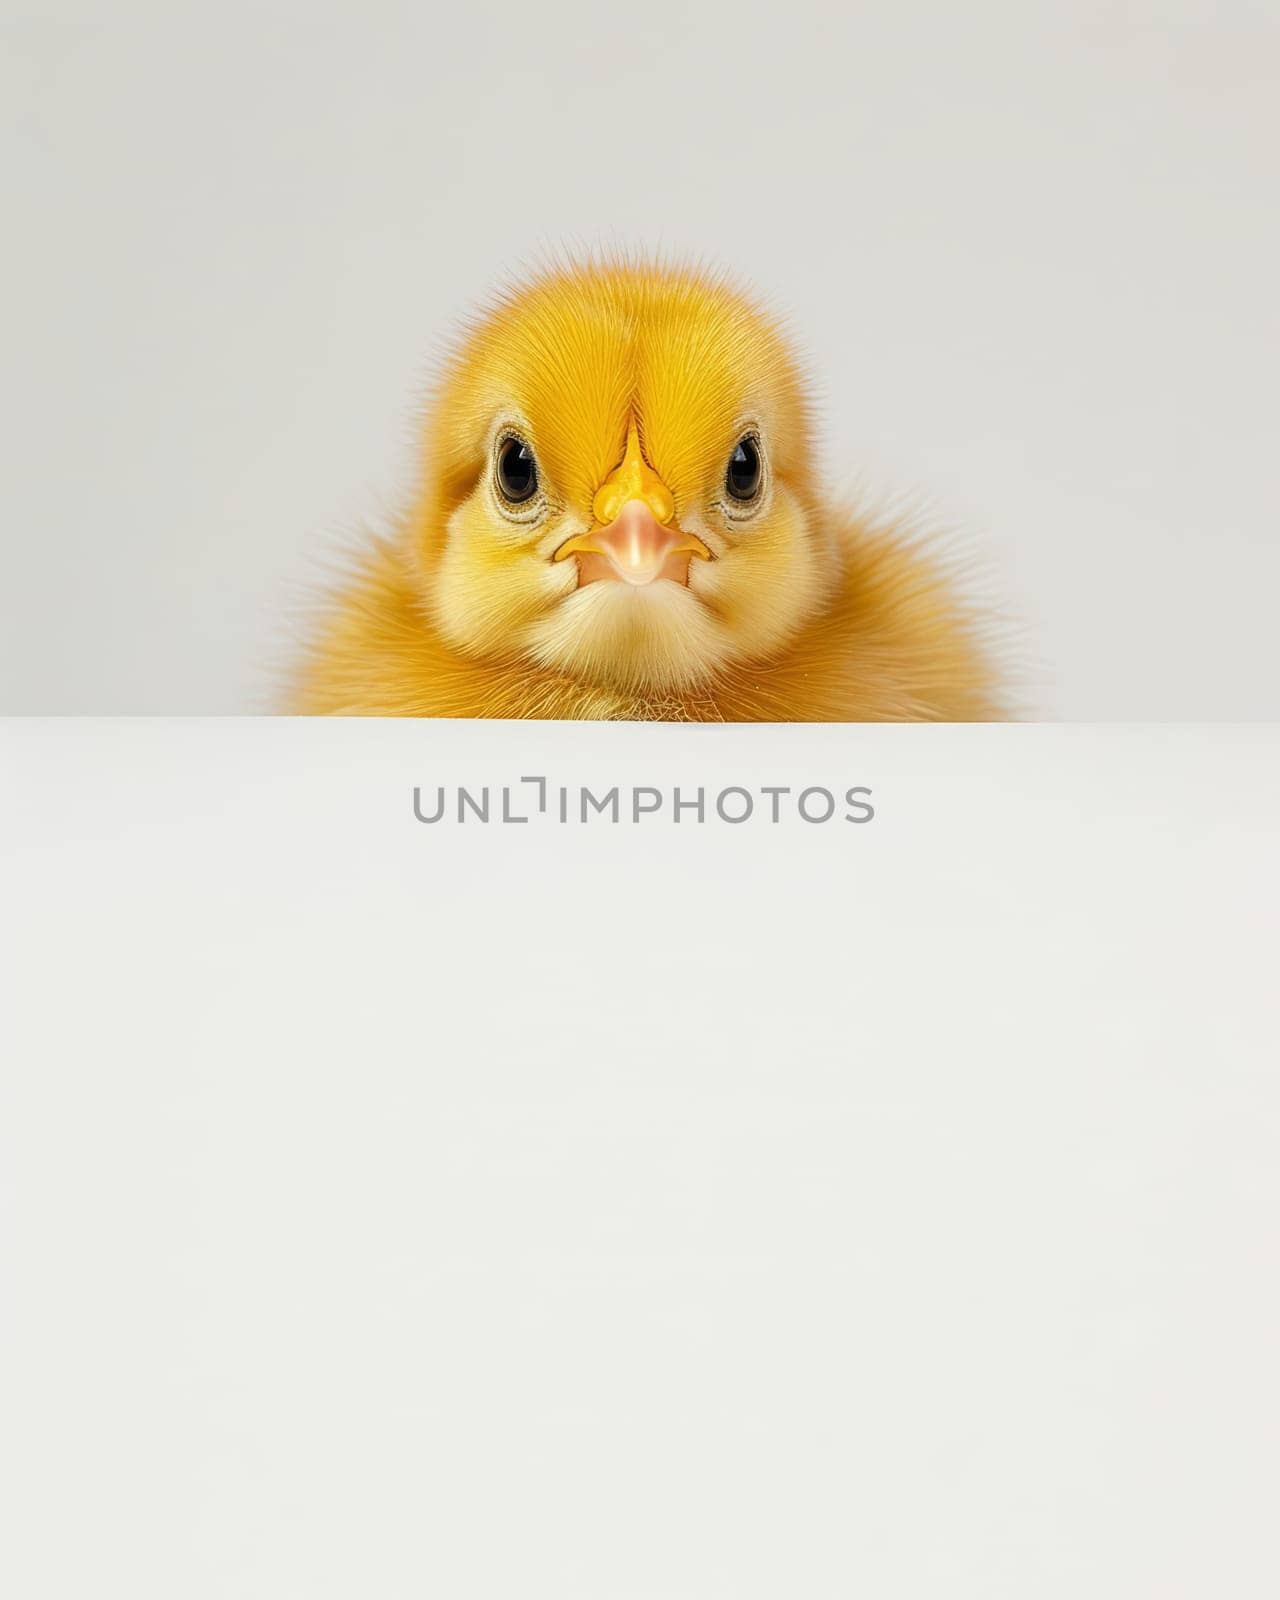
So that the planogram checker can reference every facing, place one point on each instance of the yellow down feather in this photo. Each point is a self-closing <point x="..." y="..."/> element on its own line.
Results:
<point x="805" y="611"/>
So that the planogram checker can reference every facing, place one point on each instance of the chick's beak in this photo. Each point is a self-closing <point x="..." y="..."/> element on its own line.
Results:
<point x="633" y="541"/>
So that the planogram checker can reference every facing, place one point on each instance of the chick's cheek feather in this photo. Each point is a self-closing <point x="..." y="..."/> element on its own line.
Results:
<point x="619" y="518"/>
<point x="482" y="593"/>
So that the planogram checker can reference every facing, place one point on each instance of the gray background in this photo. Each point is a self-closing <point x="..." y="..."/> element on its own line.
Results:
<point x="1031" y="250"/>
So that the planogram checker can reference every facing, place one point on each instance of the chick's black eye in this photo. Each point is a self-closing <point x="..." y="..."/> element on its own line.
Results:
<point x="517" y="470"/>
<point x="742" y="477"/>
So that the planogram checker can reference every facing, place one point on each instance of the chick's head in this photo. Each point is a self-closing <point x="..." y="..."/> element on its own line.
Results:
<point x="619" y="481"/>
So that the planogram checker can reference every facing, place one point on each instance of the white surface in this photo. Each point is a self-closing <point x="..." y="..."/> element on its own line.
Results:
<point x="1033" y="251"/>
<point x="638" y="1211"/>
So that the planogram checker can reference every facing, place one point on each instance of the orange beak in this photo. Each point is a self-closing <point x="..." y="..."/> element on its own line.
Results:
<point x="633" y="540"/>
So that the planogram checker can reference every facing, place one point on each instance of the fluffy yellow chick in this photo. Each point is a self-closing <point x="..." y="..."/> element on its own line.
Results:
<point x="619" y="518"/>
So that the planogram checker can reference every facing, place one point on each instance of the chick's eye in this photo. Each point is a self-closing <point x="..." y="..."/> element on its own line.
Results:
<point x="517" y="470"/>
<point x="742" y="477"/>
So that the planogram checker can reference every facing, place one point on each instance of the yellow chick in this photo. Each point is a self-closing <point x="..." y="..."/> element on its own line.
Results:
<point x="619" y="518"/>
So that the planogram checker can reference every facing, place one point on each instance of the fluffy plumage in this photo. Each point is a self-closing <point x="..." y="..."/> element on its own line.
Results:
<point x="792" y="608"/>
